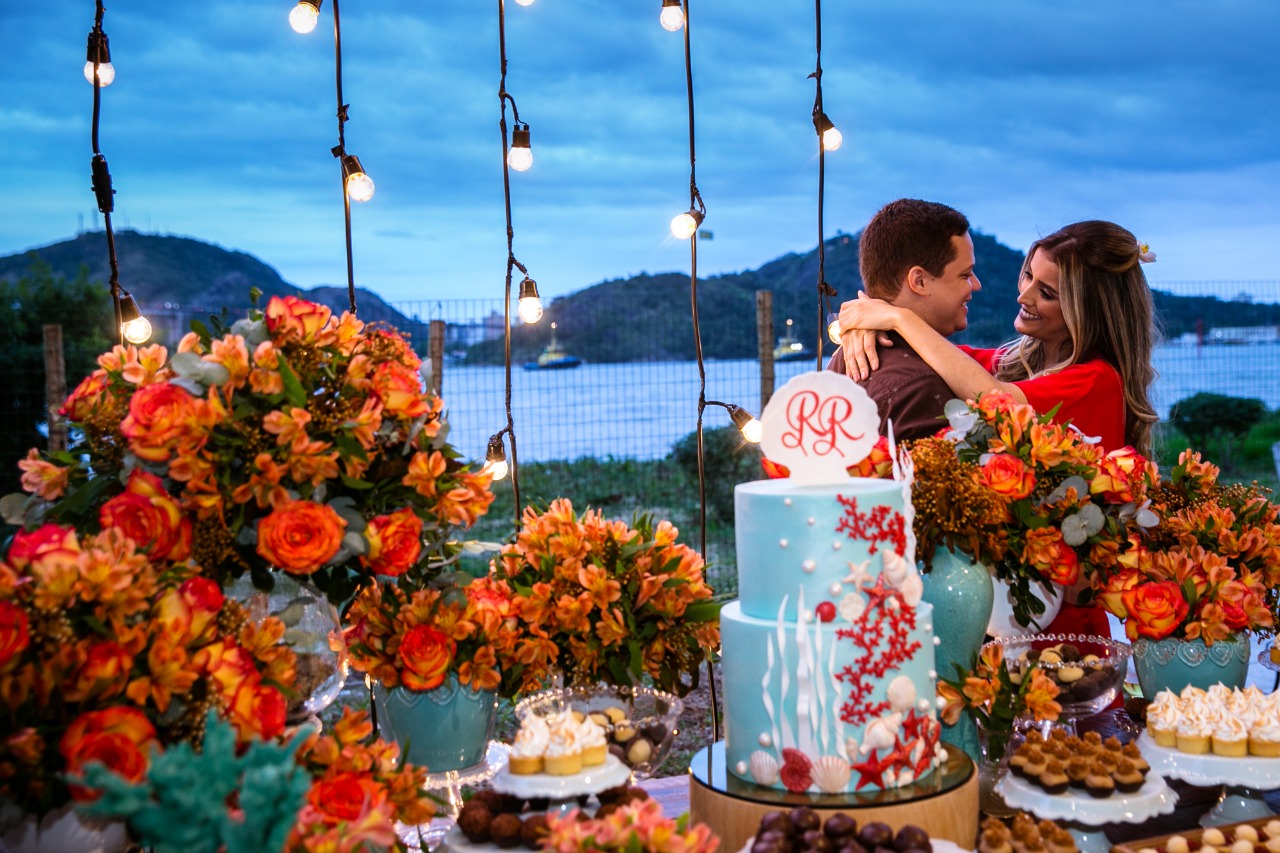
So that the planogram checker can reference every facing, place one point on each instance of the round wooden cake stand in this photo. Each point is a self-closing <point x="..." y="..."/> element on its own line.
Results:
<point x="943" y="804"/>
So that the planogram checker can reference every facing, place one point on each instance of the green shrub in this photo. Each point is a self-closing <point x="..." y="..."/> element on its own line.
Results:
<point x="1215" y="424"/>
<point x="729" y="461"/>
<point x="1256" y="447"/>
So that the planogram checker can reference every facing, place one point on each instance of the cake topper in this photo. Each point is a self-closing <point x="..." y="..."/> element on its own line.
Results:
<point x="818" y="424"/>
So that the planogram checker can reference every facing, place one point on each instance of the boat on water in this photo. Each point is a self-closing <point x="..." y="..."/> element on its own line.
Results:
<point x="790" y="348"/>
<point x="553" y="357"/>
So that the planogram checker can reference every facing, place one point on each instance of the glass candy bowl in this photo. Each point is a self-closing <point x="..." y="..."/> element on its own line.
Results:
<point x="640" y="723"/>
<point x="1088" y="670"/>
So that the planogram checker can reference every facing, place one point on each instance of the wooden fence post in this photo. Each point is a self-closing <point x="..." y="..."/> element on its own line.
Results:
<point x="55" y="383"/>
<point x="435" y="351"/>
<point x="764" y="343"/>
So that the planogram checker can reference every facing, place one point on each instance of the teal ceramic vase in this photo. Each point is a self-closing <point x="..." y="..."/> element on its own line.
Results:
<point x="443" y="729"/>
<point x="1173" y="663"/>
<point x="962" y="594"/>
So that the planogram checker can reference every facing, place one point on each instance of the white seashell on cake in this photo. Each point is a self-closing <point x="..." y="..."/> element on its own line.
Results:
<point x="764" y="767"/>
<point x="831" y="774"/>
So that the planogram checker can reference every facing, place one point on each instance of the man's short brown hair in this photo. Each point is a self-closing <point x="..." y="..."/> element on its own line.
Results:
<point x="903" y="234"/>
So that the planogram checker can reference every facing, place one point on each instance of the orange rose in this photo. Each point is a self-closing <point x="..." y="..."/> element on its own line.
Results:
<point x="300" y="536"/>
<point x="119" y="737"/>
<point x="993" y="403"/>
<point x="103" y="673"/>
<point x="346" y="796"/>
<point x="149" y="515"/>
<point x="426" y="654"/>
<point x="1155" y="610"/>
<point x="1119" y="477"/>
<point x="257" y="710"/>
<point x="395" y="543"/>
<point x="877" y="463"/>
<point x="205" y="599"/>
<point x="50" y="541"/>
<point x="159" y="417"/>
<point x="229" y="665"/>
<point x="1008" y="475"/>
<point x="1111" y="596"/>
<point x="1050" y="556"/>
<point x="87" y="397"/>
<point x="14" y="632"/>
<point x="292" y="318"/>
<point x="399" y="390"/>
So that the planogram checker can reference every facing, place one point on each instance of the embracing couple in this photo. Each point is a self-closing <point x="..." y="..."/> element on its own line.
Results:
<point x="1084" y="317"/>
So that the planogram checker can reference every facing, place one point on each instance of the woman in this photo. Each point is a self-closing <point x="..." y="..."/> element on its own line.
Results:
<point x="1087" y="325"/>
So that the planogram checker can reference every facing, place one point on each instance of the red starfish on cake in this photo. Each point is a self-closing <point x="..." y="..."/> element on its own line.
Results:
<point x="871" y="771"/>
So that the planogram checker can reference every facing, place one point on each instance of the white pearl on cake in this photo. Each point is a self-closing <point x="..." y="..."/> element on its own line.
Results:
<point x="835" y="589"/>
<point x="741" y="768"/>
<point x="929" y="627"/>
<point x="765" y="740"/>
<point x="782" y="543"/>
<point x="937" y="641"/>
<point x="924" y="704"/>
<point x="933" y="673"/>
<point x="942" y="703"/>
<point x="808" y="566"/>
<point x="811" y="521"/>
<point x="835" y="546"/>
<point x="786" y="501"/>
<point x="806" y="615"/>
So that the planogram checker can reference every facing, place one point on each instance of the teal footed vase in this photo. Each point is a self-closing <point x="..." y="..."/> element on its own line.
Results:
<point x="962" y="595"/>
<point x="443" y="729"/>
<point x="1174" y="663"/>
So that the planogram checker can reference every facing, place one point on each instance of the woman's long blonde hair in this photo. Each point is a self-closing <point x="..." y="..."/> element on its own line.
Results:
<point x="1106" y="304"/>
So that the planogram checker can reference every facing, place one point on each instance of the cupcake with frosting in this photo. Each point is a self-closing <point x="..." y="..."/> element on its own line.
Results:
<point x="529" y="746"/>
<point x="1195" y="728"/>
<point x="594" y="746"/>
<point x="563" y="756"/>
<point x="1264" y="735"/>
<point x="1162" y="719"/>
<point x="1230" y="736"/>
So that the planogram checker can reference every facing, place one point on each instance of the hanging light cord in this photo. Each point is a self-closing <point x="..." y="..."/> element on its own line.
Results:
<point x="695" y="203"/>
<point x="825" y="291"/>
<point x="102" y="188"/>
<point x="512" y="263"/>
<point x="341" y="150"/>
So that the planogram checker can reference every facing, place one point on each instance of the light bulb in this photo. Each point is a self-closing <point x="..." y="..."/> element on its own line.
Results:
<point x="831" y="138"/>
<point x="520" y="159"/>
<point x="671" y="18"/>
<point x="137" y="330"/>
<point x="752" y="431"/>
<point x="304" y="17"/>
<point x="833" y="328"/>
<point x="359" y="186"/>
<point x="524" y="2"/>
<point x="684" y="225"/>
<point x="106" y="73"/>
<point x="496" y="469"/>
<point x="530" y="309"/>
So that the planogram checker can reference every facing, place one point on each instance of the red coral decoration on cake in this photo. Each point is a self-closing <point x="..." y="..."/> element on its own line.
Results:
<point x="797" y="770"/>
<point x="880" y="526"/>
<point x="880" y="654"/>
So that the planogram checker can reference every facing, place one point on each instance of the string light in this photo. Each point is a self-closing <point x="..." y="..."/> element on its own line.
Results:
<point x="685" y="225"/>
<point x="304" y="17"/>
<point x="495" y="460"/>
<point x="530" y="307"/>
<point x="520" y="157"/>
<point x="831" y="135"/>
<point x="133" y="325"/>
<point x="359" y="185"/>
<point x="524" y="2"/>
<point x="833" y="328"/>
<point x="98" y="54"/>
<point x="746" y="422"/>
<point x="672" y="16"/>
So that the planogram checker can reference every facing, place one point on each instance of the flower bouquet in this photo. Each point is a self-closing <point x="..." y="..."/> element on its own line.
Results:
<point x="105" y="655"/>
<point x="1070" y="508"/>
<point x="293" y="440"/>
<point x="636" y="827"/>
<point x="604" y="601"/>
<point x="1208" y="570"/>
<point x="331" y="793"/>
<point x="990" y="696"/>
<point x="414" y="639"/>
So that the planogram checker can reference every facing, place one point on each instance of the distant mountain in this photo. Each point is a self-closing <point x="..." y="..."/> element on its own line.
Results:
<point x="176" y="278"/>
<point x="642" y="318"/>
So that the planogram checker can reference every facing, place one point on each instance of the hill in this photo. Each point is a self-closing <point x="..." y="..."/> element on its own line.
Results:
<point x="642" y="318"/>
<point x="176" y="278"/>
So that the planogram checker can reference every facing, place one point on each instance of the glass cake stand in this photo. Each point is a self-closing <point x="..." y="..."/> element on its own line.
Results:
<point x="1083" y="815"/>
<point x="1245" y="778"/>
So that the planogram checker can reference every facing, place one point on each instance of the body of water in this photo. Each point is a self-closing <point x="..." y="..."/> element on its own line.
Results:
<point x="639" y="410"/>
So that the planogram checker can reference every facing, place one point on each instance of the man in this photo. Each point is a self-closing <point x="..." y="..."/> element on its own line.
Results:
<point x="917" y="255"/>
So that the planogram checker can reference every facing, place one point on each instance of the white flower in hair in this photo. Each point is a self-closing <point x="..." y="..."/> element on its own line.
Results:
<point x="1145" y="254"/>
